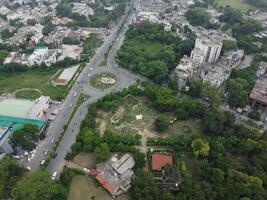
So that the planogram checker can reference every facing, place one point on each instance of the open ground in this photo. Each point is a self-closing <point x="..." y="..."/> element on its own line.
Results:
<point x="84" y="188"/>
<point x="240" y="5"/>
<point x="38" y="80"/>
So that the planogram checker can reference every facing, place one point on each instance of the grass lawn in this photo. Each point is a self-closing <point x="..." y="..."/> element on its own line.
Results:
<point x="149" y="48"/>
<point x="240" y="5"/>
<point x="28" y="94"/>
<point x="40" y="80"/>
<point x="84" y="188"/>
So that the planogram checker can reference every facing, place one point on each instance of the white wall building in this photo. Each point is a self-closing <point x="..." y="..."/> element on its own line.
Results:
<point x="43" y="55"/>
<point x="206" y="50"/>
<point x="183" y="71"/>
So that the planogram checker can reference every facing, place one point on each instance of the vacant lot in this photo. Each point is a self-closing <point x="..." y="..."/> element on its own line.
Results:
<point x="40" y="80"/>
<point x="84" y="188"/>
<point x="237" y="4"/>
<point x="85" y="160"/>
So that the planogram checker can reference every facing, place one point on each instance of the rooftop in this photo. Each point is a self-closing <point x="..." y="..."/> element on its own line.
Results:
<point x="159" y="161"/>
<point x="259" y="92"/>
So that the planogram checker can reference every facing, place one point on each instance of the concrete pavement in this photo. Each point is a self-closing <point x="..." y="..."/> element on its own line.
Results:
<point x="124" y="79"/>
<point x="57" y="127"/>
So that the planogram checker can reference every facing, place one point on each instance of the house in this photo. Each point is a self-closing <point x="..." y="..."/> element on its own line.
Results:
<point x="182" y="72"/>
<point x="10" y="58"/>
<point x="43" y="55"/>
<point x="159" y="161"/>
<point x="65" y="77"/>
<point x="258" y="96"/>
<point x="115" y="175"/>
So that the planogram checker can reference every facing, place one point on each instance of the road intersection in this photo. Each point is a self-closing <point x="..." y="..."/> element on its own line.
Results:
<point x="124" y="79"/>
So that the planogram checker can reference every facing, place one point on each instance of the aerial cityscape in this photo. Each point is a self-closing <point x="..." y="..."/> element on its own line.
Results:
<point x="133" y="99"/>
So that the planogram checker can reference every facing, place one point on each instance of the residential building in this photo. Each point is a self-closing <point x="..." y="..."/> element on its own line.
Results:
<point x="66" y="76"/>
<point x="70" y="51"/>
<point x="10" y="58"/>
<point x="57" y="35"/>
<point x="206" y="50"/>
<point x="216" y="75"/>
<point x="159" y="161"/>
<point x="39" y="108"/>
<point x="182" y="72"/>
<point x="115" y="175"/>
<point x="258" y="96"/>
<point x="43" y="55"/>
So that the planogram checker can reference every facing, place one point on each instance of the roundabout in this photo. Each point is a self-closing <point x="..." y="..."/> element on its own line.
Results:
<point x="103" y="80"/>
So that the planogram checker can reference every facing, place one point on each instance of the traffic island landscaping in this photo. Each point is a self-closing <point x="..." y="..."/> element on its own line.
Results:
<point x="103" y="80"/>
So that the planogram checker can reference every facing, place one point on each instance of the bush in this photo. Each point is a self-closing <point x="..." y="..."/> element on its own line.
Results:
<point x="161" y="123"/>
<point x="254" y="115"/>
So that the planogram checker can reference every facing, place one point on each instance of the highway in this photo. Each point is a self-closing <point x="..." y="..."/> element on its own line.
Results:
<point x="125" y="78"/>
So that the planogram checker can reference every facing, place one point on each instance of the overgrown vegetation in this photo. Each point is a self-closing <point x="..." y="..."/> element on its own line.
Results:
<point x="152" y="52"/>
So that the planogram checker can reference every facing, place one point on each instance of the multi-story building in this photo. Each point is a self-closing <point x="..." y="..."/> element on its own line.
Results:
<point x="182" y="72"/>
<point x="115" y="175"/>
<point x="43" y="55"/>
<point x="206" y="50"/>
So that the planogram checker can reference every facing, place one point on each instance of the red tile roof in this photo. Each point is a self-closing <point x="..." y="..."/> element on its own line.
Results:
<point x="159" y="161"/>
<point x="105" y="183"/>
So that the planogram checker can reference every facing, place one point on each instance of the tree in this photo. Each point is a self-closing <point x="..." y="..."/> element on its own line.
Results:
<point x="6" y="33"/>
<point x="143" y="187"/>
<point x="211" y="92"/>
<point x="229" y="45"/>
<point x="200" y="148"/>
<point x="102" y="152"/>
<point x="3" y="55"/>
<point x="10" y="173"/>
<point x="231" y="15"/>
<point x="37" y="185"/>
<point x="31" y="22"/>
<point x="199" y="17"/>
<point x="254" y="115"/>
<point x="48" y="28"/>
<point x="238" y="92"/>
<point x="214" y="121"/>
<point x="161" y="123"/>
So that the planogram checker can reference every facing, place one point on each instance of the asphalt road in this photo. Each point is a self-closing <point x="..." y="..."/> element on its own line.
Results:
<point x="125" y="78"/>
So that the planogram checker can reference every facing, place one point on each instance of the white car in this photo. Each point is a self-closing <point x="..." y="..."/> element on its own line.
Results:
<point x="54" y="176"/>
<point x="28" y="168"/>
<point x="91" y="68"/>
<point x="86" y="170"/>
<point x="42" y="162"/>
<point x="46" y="152"/>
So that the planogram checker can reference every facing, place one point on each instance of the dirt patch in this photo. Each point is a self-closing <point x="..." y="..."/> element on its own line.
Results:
<point x="84" y="188"/>
<point x="117" y="115"/>
<point x="85" y="160"/>
<point x="102" y="127"/>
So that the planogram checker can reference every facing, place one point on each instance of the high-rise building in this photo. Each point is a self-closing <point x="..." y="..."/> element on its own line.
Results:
<point x="206" y="50"/>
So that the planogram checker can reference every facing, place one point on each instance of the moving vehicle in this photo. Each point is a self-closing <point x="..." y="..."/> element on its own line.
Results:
<point x="54" y="176"/>
<point x="42" y="162"/>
